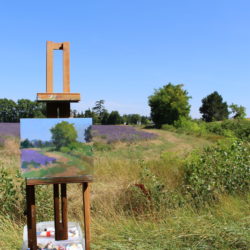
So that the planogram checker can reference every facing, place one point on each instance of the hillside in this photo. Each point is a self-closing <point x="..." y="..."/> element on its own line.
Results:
<point x="137" y="201"/>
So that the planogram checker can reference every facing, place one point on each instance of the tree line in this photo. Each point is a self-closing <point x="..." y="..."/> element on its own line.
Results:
<point x="168" y="104"/>
<point x="11" y="111"/>
<point x="171" y="103"/>
<point x="101" y="115"/>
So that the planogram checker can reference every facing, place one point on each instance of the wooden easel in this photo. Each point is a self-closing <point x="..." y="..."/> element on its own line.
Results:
<point x="58" y="106"/>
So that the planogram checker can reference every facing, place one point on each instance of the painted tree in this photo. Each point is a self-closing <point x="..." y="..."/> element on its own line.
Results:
<point x="63" y="134"/>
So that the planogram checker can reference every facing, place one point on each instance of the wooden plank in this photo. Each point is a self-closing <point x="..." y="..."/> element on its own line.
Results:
<point x="66" y="68"/>
<point x="31" y="217"/>
<point x="48" y="97"/>
<point x="59" y="180"/>
<point x="86" y="212"/>
<point x="49" y="67"/>
<point x="57" y="46"/>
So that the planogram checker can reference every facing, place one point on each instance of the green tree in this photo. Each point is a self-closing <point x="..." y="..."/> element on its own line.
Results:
<point x="26" y="144"/>
<point x="99" y="110"/>
<point x="168" y="104"/>
<point x="105" y="117"/>
<point x="88" y="113"/>
<point x="144" y="120"/>
<point x="8" y="111"/>
<point x="134" y="118"/>
<point x="30" y="109"/>
<point x="99" y="107"/>
<point x="239" y="112"/>
<point x="114" y="118"/>
<point x="213" y="108"/>
<point x="63" y="134"/>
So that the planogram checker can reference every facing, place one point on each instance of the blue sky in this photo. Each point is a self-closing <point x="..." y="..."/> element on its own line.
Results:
<point x="122" y="50"/>
<point x="39" y="129"/>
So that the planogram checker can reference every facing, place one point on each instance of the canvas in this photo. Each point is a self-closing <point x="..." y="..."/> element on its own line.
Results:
<point x="56" y="147"/>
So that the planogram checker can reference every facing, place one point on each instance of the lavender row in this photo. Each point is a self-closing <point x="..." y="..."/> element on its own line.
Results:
<point x="114" y="133"/>
<point x="9" y="129"/>
<point x="29" y="155"/>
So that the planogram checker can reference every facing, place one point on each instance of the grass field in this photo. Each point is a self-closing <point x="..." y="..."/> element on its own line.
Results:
<point x="121" y="216"/>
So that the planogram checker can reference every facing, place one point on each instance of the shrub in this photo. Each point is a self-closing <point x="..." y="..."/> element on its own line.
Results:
<point x="189" y="126"/>
<point x="231" y="128"/>
<point x="168" y="127"/>
<point x="224" y="168"/>
<point x="10" y="198"/>
<point x="149" y="194"/>
<point x="241" y="128"/>
<point x="65" y="149"/>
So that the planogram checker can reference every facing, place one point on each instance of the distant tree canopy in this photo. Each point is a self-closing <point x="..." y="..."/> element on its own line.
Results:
<point x="168" y="104"/>
<point x="132" y="119"/>
<point x="100" y="115"/>
<point x="239" y="112"/>
<point x="8" y="111"/>
<point x="213" y="108"/>
<point x="114" y="118"/>
<point x="63" y="134"/>
<point x="26" y="144"/>
<point x="11" y="111"/>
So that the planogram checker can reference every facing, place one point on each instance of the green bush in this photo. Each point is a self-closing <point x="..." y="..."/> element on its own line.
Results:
<point x="76" y="148"/>
<point x="223" y="168"/>
<point x="12" y="197"/>
<point x="11" y="193"/>
<point x="189" y="126"/>
<point x="241" y="128"/>
<point x="168" y="127"/>
<point x="65" y="150"/>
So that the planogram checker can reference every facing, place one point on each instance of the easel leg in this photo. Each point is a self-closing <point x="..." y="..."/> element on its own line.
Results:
<point x="86" y="212"/>
<point x="61" y="226"/>
<point x="31" y="216"/>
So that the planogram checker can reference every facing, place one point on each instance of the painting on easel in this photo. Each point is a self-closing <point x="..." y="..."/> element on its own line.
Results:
<point x="56" y="147"/>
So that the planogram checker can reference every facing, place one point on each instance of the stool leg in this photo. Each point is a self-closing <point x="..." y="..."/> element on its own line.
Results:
<point x="61" y="222"/>
<point x="64" y="211"/>
<point x="86" y="212"/>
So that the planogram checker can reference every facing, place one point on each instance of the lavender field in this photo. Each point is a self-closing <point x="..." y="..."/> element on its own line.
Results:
<point x="114" y="133"/>
<point x="9" y="129"/>
<point x="111" y="133"/>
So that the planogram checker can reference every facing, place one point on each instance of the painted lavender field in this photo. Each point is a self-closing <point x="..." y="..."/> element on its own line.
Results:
<point x="114" y="133"/>
<point x="55" y="147"/>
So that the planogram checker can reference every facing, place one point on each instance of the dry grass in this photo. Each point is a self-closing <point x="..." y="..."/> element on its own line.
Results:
<point x="224" y="226"/>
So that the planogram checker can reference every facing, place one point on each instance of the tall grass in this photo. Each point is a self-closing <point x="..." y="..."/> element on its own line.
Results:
<point x="123" y="217"/>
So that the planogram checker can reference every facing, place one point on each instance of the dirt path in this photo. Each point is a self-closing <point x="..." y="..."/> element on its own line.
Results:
<point x="181" y="142"/>
<point x="57" y="156"/>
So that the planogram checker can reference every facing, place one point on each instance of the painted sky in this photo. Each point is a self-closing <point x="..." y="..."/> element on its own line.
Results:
<point x="39" y="129"/>
<point x="122" y="50"/>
